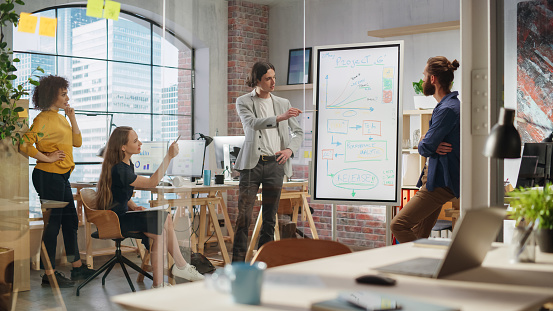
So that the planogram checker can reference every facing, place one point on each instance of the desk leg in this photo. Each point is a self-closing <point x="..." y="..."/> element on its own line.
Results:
<point x="277" y="232"/>
<point x="218" y="233"/>
<point x="51" y="278"/>
<point x="202" y="229"/>
<point x="296" y="210"/>
<point x="228" y="225"/>
<point x="307" y="212"/>
<point x="255" y="236"/>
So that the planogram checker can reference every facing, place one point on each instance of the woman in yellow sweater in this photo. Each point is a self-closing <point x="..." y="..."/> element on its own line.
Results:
<point x="54" y="154"/>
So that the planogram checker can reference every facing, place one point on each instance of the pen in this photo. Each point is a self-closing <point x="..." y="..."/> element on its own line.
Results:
<point x="177" y="139"/>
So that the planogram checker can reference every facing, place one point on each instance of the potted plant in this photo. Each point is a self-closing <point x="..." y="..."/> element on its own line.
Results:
<point x="535" y="207"/>
<point x="6" y="277"/>
<point x="11" y="125"/>
<point x="421" y="101"/>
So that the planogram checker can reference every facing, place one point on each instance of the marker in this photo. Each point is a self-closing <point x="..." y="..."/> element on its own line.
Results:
<point x="177" y="139"/>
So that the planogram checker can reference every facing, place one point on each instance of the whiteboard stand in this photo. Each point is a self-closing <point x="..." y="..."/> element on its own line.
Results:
<point x="389" y="209"/>
<point x="226" y="161"/>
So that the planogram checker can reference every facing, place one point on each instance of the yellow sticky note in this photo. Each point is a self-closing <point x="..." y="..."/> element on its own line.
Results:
<point x="307" y="154"/>
<point x="24" y="114"/>
<point x="27" y="23"/>
<point x="95" y="8"/>
<point x="47" y="26"/>
<point x="112" y="10"/>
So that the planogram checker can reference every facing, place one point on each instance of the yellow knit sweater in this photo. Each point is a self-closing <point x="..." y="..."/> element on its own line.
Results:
<point x="58" y="135"/>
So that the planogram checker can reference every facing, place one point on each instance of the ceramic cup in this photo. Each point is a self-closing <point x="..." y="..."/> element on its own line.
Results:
<point x="207" y="178"/>
<point x="242" y="280"/>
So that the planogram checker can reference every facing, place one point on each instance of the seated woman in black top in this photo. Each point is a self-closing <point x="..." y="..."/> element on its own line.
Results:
<point x="115" y="189"/>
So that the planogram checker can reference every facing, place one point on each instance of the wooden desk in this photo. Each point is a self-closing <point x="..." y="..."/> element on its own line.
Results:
<point x="214" y="198"/>
<point x="303" y="283"/>
<point x="298" y="200"/>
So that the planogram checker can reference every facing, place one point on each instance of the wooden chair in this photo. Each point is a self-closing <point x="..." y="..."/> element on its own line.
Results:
<point x="107" y="223"/>
<point x="283" y="252"/>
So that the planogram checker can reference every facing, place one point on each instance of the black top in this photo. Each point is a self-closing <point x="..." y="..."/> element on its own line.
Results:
<point x="122" y="176"/>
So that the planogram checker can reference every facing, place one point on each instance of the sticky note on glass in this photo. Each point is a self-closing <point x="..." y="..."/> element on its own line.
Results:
<point x="27" y="23"/>
<point x="94" y="8"/>
<point x="112" y="9"/>
<point x="47" y="26"/>
<point x="307" y="154"/>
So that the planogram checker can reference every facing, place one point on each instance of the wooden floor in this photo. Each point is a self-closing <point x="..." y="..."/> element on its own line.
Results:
<point x="93" y="296"/>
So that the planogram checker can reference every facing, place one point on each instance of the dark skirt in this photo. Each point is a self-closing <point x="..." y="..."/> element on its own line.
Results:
<point x="143" y="221"/>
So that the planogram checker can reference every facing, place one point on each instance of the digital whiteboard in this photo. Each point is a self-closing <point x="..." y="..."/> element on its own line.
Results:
<point x="357" y="131"/>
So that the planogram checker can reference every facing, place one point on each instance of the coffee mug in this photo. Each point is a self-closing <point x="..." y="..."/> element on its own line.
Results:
<point x="178" y="181"/>
<point x="242" y="280"/>
<point x="219" y="179"/>
<point x="207" y="178"/>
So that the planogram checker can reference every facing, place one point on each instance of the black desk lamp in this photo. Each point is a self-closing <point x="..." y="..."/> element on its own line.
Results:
<point x="208" y="140"/>
<point x="504" y="140"/>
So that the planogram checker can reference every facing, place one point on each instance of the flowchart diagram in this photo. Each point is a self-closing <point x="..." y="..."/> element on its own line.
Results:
<point x="356" y="148"/>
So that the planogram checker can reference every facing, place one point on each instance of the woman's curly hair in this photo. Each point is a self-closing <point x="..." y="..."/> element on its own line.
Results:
<point x="46" y="93"/>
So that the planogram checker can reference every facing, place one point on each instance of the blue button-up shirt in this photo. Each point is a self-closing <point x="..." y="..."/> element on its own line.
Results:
<point x="443" y="170"/>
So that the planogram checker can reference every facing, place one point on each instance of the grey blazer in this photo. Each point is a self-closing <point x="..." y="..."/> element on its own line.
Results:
<point x="291" y="135"/>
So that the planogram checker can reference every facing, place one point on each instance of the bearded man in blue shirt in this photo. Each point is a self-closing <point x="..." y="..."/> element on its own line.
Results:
<point x="439" y="181"/>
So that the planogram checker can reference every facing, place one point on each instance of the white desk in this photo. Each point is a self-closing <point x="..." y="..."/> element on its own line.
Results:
<point x="337" y="274"/>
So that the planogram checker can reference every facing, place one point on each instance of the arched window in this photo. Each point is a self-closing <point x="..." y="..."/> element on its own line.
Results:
<point x="124" y="72"/>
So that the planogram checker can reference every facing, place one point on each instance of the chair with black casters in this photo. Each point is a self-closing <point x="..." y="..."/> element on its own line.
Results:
<point x="283" y="252"/>
<point x="107" y="223"/>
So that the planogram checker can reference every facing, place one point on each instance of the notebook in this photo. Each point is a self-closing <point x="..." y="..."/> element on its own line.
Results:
<point x="472" y="239"/>
<point x="342" y="303"/>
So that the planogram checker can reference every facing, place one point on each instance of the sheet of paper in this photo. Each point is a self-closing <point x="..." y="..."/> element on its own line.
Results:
<point x="47" y="26"/>
<point x="112" y="9"/>
<point x="292" y="279"/>
<point x="94" y="8"/>
<point x="27" y="23"/>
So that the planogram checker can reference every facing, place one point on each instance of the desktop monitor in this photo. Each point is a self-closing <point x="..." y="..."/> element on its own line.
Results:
<point x="536" y="165"/>
<point x="227" y="149"/>
<point x="150" y="158"/>
<point x="190" y="160"/>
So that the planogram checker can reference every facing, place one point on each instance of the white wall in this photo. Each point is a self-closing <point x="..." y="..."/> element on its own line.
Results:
<point x="331" y="22"/>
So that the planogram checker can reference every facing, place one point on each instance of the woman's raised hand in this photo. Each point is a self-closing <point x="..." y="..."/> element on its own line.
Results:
<point x="173" y="150"/>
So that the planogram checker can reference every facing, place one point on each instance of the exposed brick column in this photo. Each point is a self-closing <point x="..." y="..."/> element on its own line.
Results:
<point x="184" y="93"/>
<point x="248" y="42"/>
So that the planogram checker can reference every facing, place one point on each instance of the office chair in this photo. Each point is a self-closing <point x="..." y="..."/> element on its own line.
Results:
<point x="283" y="252"/>
<point x="107" y="223"/>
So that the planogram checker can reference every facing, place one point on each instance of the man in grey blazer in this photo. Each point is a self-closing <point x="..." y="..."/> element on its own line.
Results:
<point x="273" y="136"/>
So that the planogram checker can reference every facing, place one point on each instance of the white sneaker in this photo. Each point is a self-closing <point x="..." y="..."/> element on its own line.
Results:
<point x="164" y="284"/>
<point x="188" y="272"/>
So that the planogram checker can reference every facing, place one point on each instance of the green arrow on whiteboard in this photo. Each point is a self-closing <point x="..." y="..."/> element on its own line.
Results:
<point x="353" y="193"/>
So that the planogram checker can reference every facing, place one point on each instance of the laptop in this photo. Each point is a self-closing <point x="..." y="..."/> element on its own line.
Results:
<point x="472" y="239"/>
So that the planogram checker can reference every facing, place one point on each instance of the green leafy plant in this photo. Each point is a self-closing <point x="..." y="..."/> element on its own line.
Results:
<point x="10" y="123"/>
<point x="417" y="86"/>
<point x="531" y="205"/>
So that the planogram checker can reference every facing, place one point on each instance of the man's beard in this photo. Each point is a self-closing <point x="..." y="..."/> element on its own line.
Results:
<point x="428" y="89"/>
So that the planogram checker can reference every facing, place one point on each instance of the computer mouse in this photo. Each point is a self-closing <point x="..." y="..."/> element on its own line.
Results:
<point x="375" y="279"/>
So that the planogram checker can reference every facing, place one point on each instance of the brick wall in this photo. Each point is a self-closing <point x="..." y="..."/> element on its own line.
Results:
<point x="184" y="94"/>
<point x="248" y="26"/>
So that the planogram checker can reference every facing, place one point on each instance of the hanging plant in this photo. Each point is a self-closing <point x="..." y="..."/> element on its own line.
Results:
<point x="10" y="123"/>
